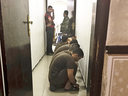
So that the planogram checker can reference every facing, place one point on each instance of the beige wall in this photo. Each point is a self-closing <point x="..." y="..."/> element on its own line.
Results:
<point x="83" y="32"/>
<point x="115" y="78"/>
<point x="37" y="10"/>
<point x="118" y="23"/>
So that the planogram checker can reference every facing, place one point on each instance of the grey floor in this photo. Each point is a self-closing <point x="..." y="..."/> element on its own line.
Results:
<point x="41" y="83"/>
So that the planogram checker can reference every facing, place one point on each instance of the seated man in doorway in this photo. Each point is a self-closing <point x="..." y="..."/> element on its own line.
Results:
<point x="62" y="42"/>
<point x="63" y="69"/>
<point x="64" y="24"/>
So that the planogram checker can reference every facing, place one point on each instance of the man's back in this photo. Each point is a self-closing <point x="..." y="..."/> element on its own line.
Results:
<point x="62" y="48"/>
<point x="59" y="45"/>
<point x="60" y="62"/>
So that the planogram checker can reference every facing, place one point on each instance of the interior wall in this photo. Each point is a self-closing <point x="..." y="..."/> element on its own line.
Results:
<point x="83" y="32"/>
<point x="114" y="78"/>
<point x="70" y="7"/>
<point x="118" y="23"/>
<point x="37" y="10"/>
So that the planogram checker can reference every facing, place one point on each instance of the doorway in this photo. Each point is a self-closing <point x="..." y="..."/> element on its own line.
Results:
<point x="18" y="49"/>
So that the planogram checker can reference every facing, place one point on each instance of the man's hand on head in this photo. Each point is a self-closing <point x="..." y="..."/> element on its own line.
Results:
<point x="52" y="10"/>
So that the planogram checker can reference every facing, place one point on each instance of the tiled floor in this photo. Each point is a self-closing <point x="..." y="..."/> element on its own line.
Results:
<point x="41" y="84"/>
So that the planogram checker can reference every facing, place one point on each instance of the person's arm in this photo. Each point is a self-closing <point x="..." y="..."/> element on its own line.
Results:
<point x="50" y="21"/>
<point x="53" y="17"/>
<point x="71" y="77"/>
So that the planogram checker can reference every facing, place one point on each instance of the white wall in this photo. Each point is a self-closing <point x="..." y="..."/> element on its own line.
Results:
<point x="37" y="10"/>
<point x="83" y="32"/>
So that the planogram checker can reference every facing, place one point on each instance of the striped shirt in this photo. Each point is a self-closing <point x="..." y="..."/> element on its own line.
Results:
<point x="47" y="15"/>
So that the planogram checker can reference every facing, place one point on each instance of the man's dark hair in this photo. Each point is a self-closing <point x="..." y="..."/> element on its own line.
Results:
<point x="49" y="6"/>
<point x="78" y="51"/>
<point x="71" y="35"/>
<point x="73" y="41"/>
<point x="75" y="45"/>
<point x="66" y="12"/>
<point x="64" y="38"/>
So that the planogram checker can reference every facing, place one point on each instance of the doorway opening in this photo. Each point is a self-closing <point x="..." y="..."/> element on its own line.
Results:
<point x="18" y="42"/>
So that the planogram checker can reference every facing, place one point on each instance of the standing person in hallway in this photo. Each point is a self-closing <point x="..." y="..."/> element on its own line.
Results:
<point x="64" y="24"/>
<point x="49" y="29"/>
<point x="63" y="69"/>
<point x="71" y="26"/>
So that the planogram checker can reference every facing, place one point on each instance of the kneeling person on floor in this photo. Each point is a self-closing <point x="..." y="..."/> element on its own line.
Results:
<point x="62" y="42"/>
<point x="63" y="69"/>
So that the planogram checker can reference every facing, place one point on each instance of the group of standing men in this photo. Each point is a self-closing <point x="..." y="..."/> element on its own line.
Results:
<point x="50" y="27"/>
<point x="63" y="66"/>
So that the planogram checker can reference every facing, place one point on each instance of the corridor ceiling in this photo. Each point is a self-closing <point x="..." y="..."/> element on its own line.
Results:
<point x="57" y="1"/>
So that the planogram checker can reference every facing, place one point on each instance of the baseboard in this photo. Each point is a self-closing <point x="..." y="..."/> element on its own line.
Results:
<point x="38" y="62"/>
<point x="82" y="78"/>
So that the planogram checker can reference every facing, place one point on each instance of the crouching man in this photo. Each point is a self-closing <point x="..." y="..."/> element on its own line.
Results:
<point x="63" y="69"/>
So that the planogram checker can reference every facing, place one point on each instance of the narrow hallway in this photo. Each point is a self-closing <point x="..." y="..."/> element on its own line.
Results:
<point x="41" y="83"/>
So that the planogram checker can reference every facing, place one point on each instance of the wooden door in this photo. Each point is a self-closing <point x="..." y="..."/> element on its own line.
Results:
<point x="16" y="47"/>
<point x="71" y="7"/>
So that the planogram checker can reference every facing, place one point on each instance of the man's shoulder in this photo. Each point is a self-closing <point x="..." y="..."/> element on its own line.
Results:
<point x="67" y="57"/>
<point x="47" y="13"/>
<point x="65" y="54"/>
<point x="62" y="43"/>
<point x="62" y="56"/>
<point x="61" y="48"/>
<point x="66" y="45"/>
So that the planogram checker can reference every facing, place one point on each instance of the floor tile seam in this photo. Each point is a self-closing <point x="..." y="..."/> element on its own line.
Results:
<point x="45" y="88"/>
<point x="45" y="85"/>
<point x="48" y="63"/>
<point x="42" y="85"/>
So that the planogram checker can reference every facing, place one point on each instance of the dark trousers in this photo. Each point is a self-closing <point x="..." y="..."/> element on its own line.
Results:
<point x="50" y="32"/>
<point x="61" y="78"/>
